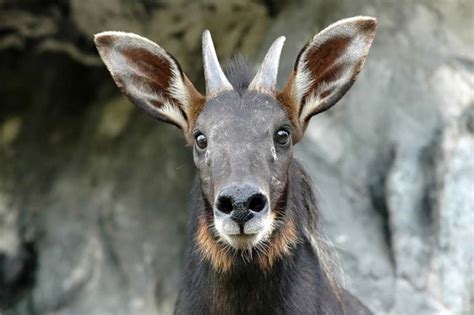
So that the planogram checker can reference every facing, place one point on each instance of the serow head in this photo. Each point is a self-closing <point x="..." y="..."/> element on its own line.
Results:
<point x="242" y="132"/>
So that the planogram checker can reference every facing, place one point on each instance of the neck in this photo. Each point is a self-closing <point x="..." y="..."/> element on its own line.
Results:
<point x="293" y="281"/>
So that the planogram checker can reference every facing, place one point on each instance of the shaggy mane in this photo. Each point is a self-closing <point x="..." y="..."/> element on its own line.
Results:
<point x="239" y="74"/>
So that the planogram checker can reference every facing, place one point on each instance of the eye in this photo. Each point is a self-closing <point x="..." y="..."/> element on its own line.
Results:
<point x="201" y="140"/>
<point x="282" y="137"/>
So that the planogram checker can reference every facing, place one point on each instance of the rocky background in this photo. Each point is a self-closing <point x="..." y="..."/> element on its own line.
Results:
<point x="93" y="193"/>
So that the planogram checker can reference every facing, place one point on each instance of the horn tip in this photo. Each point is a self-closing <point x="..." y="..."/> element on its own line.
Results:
<point x="206" y="34"/>
<point x="280" y="40"/>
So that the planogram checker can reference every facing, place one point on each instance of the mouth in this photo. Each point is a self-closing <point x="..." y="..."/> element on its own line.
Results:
<point x="243" y="241"/>
<point x="244" y="238"/>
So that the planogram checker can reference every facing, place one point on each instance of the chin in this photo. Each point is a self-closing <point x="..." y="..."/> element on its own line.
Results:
<point x="247" y="241"/>
<point x="243" y="241"/>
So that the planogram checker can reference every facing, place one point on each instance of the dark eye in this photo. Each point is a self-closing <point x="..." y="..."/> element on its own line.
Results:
<point x="201" y="140"/>
<point x="282" y="137"/>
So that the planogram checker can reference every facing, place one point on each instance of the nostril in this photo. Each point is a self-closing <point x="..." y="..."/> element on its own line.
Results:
<point x="224" y="204"/>
<point x="257" y="202"/>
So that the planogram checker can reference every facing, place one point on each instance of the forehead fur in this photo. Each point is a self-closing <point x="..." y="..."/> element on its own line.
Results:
<point x="241" y="107"/>
<point x="234" y="109"/>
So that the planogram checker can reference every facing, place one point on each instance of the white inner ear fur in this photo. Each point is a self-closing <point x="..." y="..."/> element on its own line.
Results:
<point x="168" y="109"/>
<point x="356" y="51"/>
<point x="177" y="89"/>
<point x="313" y="100"/>
<point x="303" y="82"/>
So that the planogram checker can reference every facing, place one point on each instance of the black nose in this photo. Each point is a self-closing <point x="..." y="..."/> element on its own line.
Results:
<point x="241" y="202"/>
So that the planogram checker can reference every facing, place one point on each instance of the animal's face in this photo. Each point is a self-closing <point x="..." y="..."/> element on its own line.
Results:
<point x="242" y="149"/>
<point x="242" y="137"/>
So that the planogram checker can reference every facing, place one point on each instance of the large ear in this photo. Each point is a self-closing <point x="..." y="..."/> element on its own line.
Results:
<point x="150" y="77"/>
<point x="326" y="68"/>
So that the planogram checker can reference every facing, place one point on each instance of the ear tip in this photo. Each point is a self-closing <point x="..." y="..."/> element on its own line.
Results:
<point x="108" y="38"/>
<point x="368" y="23"/>
<point x="103" y="39"/>
<point x="371" y="20"/>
